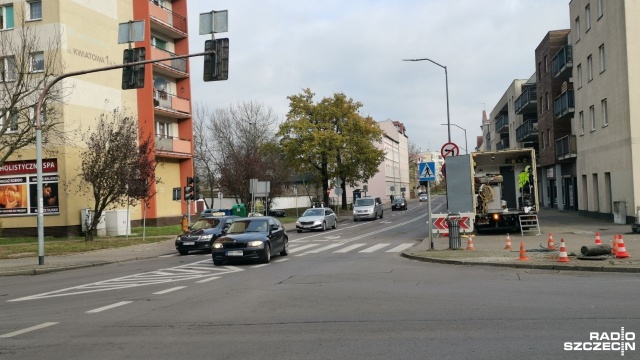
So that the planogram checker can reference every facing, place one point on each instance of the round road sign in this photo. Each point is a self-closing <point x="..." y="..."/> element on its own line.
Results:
<point x="450" y="149"/>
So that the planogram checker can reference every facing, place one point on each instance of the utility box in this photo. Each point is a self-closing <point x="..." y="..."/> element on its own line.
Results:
<point x="117" y="222"/>
<point x="620" y="212"/>
<point x="239" y="210"/>
<point x="86" y="215"/>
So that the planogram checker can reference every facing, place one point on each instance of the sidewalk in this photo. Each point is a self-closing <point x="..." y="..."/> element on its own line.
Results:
<point x="576" y="231"/>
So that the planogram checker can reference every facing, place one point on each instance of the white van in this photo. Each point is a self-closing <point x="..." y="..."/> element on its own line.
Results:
<point x="367" y="208"/>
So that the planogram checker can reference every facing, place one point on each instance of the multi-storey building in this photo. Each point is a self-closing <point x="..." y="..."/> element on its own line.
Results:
<point x="87" y="32"/>
<point x="557" y="148"/>
<point x="500" y="132"/>
<point x="607" y="113"/>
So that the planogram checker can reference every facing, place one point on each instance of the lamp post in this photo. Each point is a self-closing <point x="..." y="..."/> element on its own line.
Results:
<point x="465" y="136"/>
<point x="446" y="82"/>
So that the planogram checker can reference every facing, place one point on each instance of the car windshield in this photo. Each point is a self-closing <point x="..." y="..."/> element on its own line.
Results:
<point x="245" y="226"/>
<point x="205" y="224"/>
<point x="313" y="212"/>
<point x="398" y="200"/>
<point x="364" y="202"/>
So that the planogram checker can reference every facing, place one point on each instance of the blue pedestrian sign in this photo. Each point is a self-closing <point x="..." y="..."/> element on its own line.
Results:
<point x="427" y="171"/>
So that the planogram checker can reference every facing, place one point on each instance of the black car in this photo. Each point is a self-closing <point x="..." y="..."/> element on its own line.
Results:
<point x="399" y="204"/>
<point x="202" y="233"/>
<point x="277" y="213"/>
<point x="254" y="238"/>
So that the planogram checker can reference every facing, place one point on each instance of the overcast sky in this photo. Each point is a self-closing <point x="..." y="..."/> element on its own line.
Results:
<point x="279" y="47"/>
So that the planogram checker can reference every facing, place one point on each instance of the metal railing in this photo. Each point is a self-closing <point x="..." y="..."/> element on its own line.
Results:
<point x="502" y="122"/>
<point x="168" y="101"/>
<point x="563" y="104"/>
<point x="169" y="17"/>
<point x="502" y="144"/>
<point x="527" y="97"/>
<point x="527" y="130"/>
<point x="562" y="60"/>
<point x="566" y="147"/>
<point x="177" y="64"/>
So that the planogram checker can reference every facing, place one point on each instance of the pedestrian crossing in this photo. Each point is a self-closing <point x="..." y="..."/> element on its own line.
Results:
<point x="345" y="247"/>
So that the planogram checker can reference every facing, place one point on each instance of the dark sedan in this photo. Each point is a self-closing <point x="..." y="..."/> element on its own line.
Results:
<point x="202" y="233"/>
<point x="399" y="204"/>
<point x="254" y="238"/>
<point x="277" y="213"/>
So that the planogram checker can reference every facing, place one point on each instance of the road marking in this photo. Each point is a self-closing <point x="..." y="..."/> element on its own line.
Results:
<point x="207" y="280"/>
<point x="349" y="248"/>
<point x="23" y="331"/>
<point x="373" y="248"/>
<point x="314" y="251"/>
<point x="281" y="260"/>
<point x="169" y="290"/>
<point x="399" y="248"/>
<point x="296" y="249"/>
<point x="108" y="307"/>
<point x="259" y="266"/>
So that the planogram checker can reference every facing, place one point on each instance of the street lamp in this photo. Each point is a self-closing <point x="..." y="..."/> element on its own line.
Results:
<point x="465" y="136"/>
<point x="446" y="81"/>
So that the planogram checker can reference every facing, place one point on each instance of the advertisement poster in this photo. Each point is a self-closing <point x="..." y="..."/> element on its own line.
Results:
<point x="19" y="185"/>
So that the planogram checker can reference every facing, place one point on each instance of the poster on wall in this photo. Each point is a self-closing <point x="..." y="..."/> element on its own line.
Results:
<point x="19" y="185"/>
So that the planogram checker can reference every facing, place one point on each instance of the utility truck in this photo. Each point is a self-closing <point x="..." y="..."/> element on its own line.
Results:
<point x="499" y="188"/>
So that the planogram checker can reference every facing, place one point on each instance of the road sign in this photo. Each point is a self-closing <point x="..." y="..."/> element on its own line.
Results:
<point x="338" y="191"/>
<point x="427" y="171"/>
<point x="450" y="149"/>
<point x="440" y="224"/>
<point x="444" y="172"/>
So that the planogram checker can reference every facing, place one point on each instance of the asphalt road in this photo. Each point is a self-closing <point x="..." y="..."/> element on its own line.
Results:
<point x="340" y="294"/>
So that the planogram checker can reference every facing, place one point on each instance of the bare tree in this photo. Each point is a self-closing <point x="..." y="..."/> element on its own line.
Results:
<point x="116" y="167"/>
<point x="28" y="61"/>
<point x="204" y="155"/>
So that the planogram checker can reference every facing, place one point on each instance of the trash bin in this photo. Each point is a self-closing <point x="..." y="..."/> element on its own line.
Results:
<point x="453" y="223"/>
<point x="239" y="210"/>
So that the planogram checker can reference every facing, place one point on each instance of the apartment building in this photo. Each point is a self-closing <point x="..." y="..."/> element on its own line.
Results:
<point x="500" y="131"/>
<point x="607" y="111"/>
<point x="87" y="32"/>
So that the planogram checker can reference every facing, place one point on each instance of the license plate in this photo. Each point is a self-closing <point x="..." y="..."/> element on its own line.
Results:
<point x="188" y="243"/>
<point x="234" y="253"/>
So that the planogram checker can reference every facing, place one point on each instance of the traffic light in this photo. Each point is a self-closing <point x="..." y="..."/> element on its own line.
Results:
<point x="133" y="76"/>
<point x="196" y="188"/>
<point x="216" y="66"/>
<point x="188" y="190"/>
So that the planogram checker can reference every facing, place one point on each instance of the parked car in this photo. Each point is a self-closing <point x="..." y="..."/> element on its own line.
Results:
<point x="202" y="233"/>
<point x="367" y="208"/>
<point x="424" y="197"/>
<point x="317" y="219"/>
<point x="255" y="238"/>
<point x="277" y="213"/>
<point x="211" y="212"/>
<point x="399" y="203"/>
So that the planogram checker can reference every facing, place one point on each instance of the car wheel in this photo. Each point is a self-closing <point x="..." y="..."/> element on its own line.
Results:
<point x="285" y="248"/>
<point x="354" y="220"/>
<point x="324" y="225"/>
<point x="183" y="252"/>
<point x="266" y="255"/>
<point x="299" y="231"/>
<point x="217" y="262"/>
<point x="335" y="224"/>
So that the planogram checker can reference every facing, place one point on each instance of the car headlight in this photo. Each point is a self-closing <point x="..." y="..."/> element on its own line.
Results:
<point x="206" y="237"/>
<point x="317" y="222"/>
<point x="297" y="223"/>
<point x="217" y="245"/>
<point x="255" y="244"/>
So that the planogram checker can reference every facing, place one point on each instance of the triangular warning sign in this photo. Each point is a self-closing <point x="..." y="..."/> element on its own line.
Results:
<point x="426" y="172"/>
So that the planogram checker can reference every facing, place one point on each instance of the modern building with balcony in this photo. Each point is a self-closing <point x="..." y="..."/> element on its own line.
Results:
<point x="526" y="105"/>
<point x="499" y="130"/>
<point x="605" y="49"/>
<point x="87" y="34"/>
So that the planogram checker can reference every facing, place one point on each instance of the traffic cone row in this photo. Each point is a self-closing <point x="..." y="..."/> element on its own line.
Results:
<point x="598" y="241"/>
<point x="563" y="252"/>
<point x="621" y="252"/>
<point x="550" y="245"/>
<point x="523" y="252"/>
<point x="508" y="243"/>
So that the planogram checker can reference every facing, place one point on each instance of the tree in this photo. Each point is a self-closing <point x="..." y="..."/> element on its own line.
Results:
<point x="330" y="139"/>
<point x="414" y="159"/>
<point x="28" y="62"/>
<point x="116" y="167"/>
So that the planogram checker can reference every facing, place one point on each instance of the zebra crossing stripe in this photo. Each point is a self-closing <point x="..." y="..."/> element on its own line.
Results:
<point x="399" y="248"/>
<point x="302" y="247"/>
<point x="373" y="248"/>
<point x="328" y="247"/>
<point x="349" y="248"/>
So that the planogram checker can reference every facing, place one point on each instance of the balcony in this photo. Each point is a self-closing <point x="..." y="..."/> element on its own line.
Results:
<point x="562" y="63"/>
<point x="526" y="102"/>
<point x="566" y="148"/>
<point x="171" y="105"/>
<point x="528" y="131"/>
<point x="487" y="141"/>
<point x="170" y="147"/>
<point x="176" y="68"/>
<point x="564" y="105"/>
<point x="502" y="123"/>
<point x="166" y="22"/>
<point x="502" y="144"/>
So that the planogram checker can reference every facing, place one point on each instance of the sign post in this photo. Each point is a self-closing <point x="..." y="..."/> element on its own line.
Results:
<point x="427" y="171"/>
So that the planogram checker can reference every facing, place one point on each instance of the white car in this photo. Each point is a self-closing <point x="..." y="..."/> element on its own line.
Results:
<point x="317" y="219"/>
<point x="424" y="197"/>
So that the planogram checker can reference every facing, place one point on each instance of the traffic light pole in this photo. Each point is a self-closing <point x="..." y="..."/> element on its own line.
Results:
<point x="38" y="127"/>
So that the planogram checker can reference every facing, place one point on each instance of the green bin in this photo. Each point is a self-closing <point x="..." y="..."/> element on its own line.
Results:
<point x="239" y="210"/>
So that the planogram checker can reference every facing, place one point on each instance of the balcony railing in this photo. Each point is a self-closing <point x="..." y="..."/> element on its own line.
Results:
<point x="171" y="146"/>
<point x="167" y="101"/>
<point x="174" y="64"/>
<point x="526" y="102"/>
<point x="168" y="17"/>
<point x="502" y="123"/>
<point x="562" y="61"/>
<point x="528" y="131"/>
<point x="564" y="104"/>
<point x="566" y="147"/>
<point x="502" y="144"/>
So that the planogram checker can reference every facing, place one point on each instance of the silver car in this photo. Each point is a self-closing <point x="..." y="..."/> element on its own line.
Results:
<point x="317" y="219"/>
<point x="367" y="208"/>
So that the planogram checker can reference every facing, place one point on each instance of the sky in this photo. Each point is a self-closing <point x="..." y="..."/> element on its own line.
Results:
<point x="355" y="47"/>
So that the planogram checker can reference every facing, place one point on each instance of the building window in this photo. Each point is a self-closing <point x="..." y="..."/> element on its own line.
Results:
<point x="579" y="73"/>
<point x="34" y="10"/>
<point x="163" y="130"/>
<point x="589" y="68"/>
<point x="600" y="8"/>
<point x="581" y="123"/>
<point x="605" y="115"/>
<point x="549" y="138"/>
<point x="592" y="115"/>
<point x="12" y="124"/>
<point x="587" y="15"/>
<point x="602" y="63"/>
<point x="543" y="141"/>
<point x="539" y="70"/>
<point x="36" y="63"/>
<point x="6" y="17"/>
<point x="546" y="100"/>
<point x="158" y="43"/>
<point x="577" y="26"/>
<point x="546" y="64"/>
<point x="8" y="69"/>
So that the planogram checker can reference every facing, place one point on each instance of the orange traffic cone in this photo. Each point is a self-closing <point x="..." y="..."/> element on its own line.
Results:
<point x="563" y="252"/>
<point x="550" y="245"/>
<point x="470" y="243"/>
<point x="598" y="241"/>
<point x="622" y="252"/>
<point x="523" y="252"/>
<point x="614" y="247"/>
<point x="508" y="244"/>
